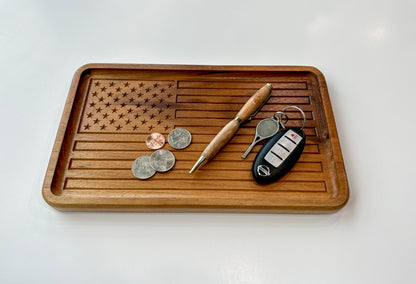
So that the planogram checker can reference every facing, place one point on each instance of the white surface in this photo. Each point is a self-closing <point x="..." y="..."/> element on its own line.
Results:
<point x="366" y="50"/>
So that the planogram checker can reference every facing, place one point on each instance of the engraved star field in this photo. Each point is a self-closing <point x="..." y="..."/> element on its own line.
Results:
<point x="129" y="107"/>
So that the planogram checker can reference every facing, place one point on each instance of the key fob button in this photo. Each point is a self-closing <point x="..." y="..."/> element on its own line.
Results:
<point x="278" y="155"/>
<point x="273" y="159"/>
<point x="286" y="143"/>
<point x="292" y="135"/>
<point x="279" y="151"/>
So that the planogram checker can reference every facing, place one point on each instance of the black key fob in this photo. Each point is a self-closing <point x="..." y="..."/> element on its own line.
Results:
<point x="278" y="155"/>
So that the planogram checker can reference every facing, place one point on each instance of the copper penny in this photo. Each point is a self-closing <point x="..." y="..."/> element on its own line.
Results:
<point x="155" y="141"/>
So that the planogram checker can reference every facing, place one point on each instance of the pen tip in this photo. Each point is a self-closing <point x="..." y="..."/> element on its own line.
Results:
<point x="198" y="163"/>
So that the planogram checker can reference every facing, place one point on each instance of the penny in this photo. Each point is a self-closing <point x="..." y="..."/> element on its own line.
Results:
<point x="141" y="168"/>
<point x="155" y="141"/>
<point x="162" y="160"/>
<point x="179" y="138"/>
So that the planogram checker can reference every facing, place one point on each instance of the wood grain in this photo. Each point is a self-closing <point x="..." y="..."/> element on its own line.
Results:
<point x="111" y="108"/>
<point x="254" y="102"/>
<point x="221" y="139"/>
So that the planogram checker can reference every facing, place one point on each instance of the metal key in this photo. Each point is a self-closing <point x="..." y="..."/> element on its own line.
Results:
<point x="264" y="129"/>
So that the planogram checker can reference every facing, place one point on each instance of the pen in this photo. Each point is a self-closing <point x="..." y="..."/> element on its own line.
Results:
<point x="247" y="112"/>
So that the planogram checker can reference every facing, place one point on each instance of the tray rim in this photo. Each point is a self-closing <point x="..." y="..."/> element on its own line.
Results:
<point x="336" y="202"/>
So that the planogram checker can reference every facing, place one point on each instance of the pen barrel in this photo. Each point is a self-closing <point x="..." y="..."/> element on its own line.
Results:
<point x="254" y="102"/>
<point x="221" y="139"/>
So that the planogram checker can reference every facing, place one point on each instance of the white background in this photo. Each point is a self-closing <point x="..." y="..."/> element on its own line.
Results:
<point x="365" y="49"/>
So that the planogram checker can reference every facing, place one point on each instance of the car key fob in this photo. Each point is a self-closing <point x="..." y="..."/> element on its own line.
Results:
<point x="278" y="155"/>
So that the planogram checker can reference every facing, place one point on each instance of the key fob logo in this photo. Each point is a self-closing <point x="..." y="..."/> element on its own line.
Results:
<point x="263" y="170"/>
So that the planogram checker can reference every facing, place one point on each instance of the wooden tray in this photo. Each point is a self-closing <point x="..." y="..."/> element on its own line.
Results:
<point x="111" y="108"/>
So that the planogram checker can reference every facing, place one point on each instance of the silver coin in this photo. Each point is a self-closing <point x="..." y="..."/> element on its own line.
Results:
<point x="179" y="138"/>
<point x="141" y="168"/>
<point x="162" y="160"/>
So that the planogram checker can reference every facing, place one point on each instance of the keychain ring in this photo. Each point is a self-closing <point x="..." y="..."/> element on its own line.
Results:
<point x="303" y="114"/>
<point x="280" y="118"/>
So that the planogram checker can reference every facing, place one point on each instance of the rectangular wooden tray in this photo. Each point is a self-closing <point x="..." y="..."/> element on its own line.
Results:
<point x="111" y="108"/>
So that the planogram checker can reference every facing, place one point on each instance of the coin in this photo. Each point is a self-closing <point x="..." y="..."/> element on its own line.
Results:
<point x="162" y="160"/>
<point x="155" y="141"/>
<point x="179" y="138"/>
<point x="141" y="168"/>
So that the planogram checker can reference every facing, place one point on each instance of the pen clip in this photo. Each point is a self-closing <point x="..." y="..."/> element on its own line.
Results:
<point x="259" y="108"/>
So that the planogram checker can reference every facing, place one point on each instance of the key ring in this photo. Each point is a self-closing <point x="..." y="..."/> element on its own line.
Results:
<point x="295" y="107"/>
<point x="279" y="119"/>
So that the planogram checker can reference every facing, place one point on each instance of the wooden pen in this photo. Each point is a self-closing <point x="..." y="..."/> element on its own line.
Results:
<point x="250" y="108"/>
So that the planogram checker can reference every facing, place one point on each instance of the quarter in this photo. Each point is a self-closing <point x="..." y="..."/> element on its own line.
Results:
<point x="162" y="160"/>
<point x="179" y="138"/>
<point x="141" y="168"/>
<point x="155" y="141"/>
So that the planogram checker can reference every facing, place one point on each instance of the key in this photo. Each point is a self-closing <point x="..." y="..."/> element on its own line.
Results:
<point x="264" y="129"/>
